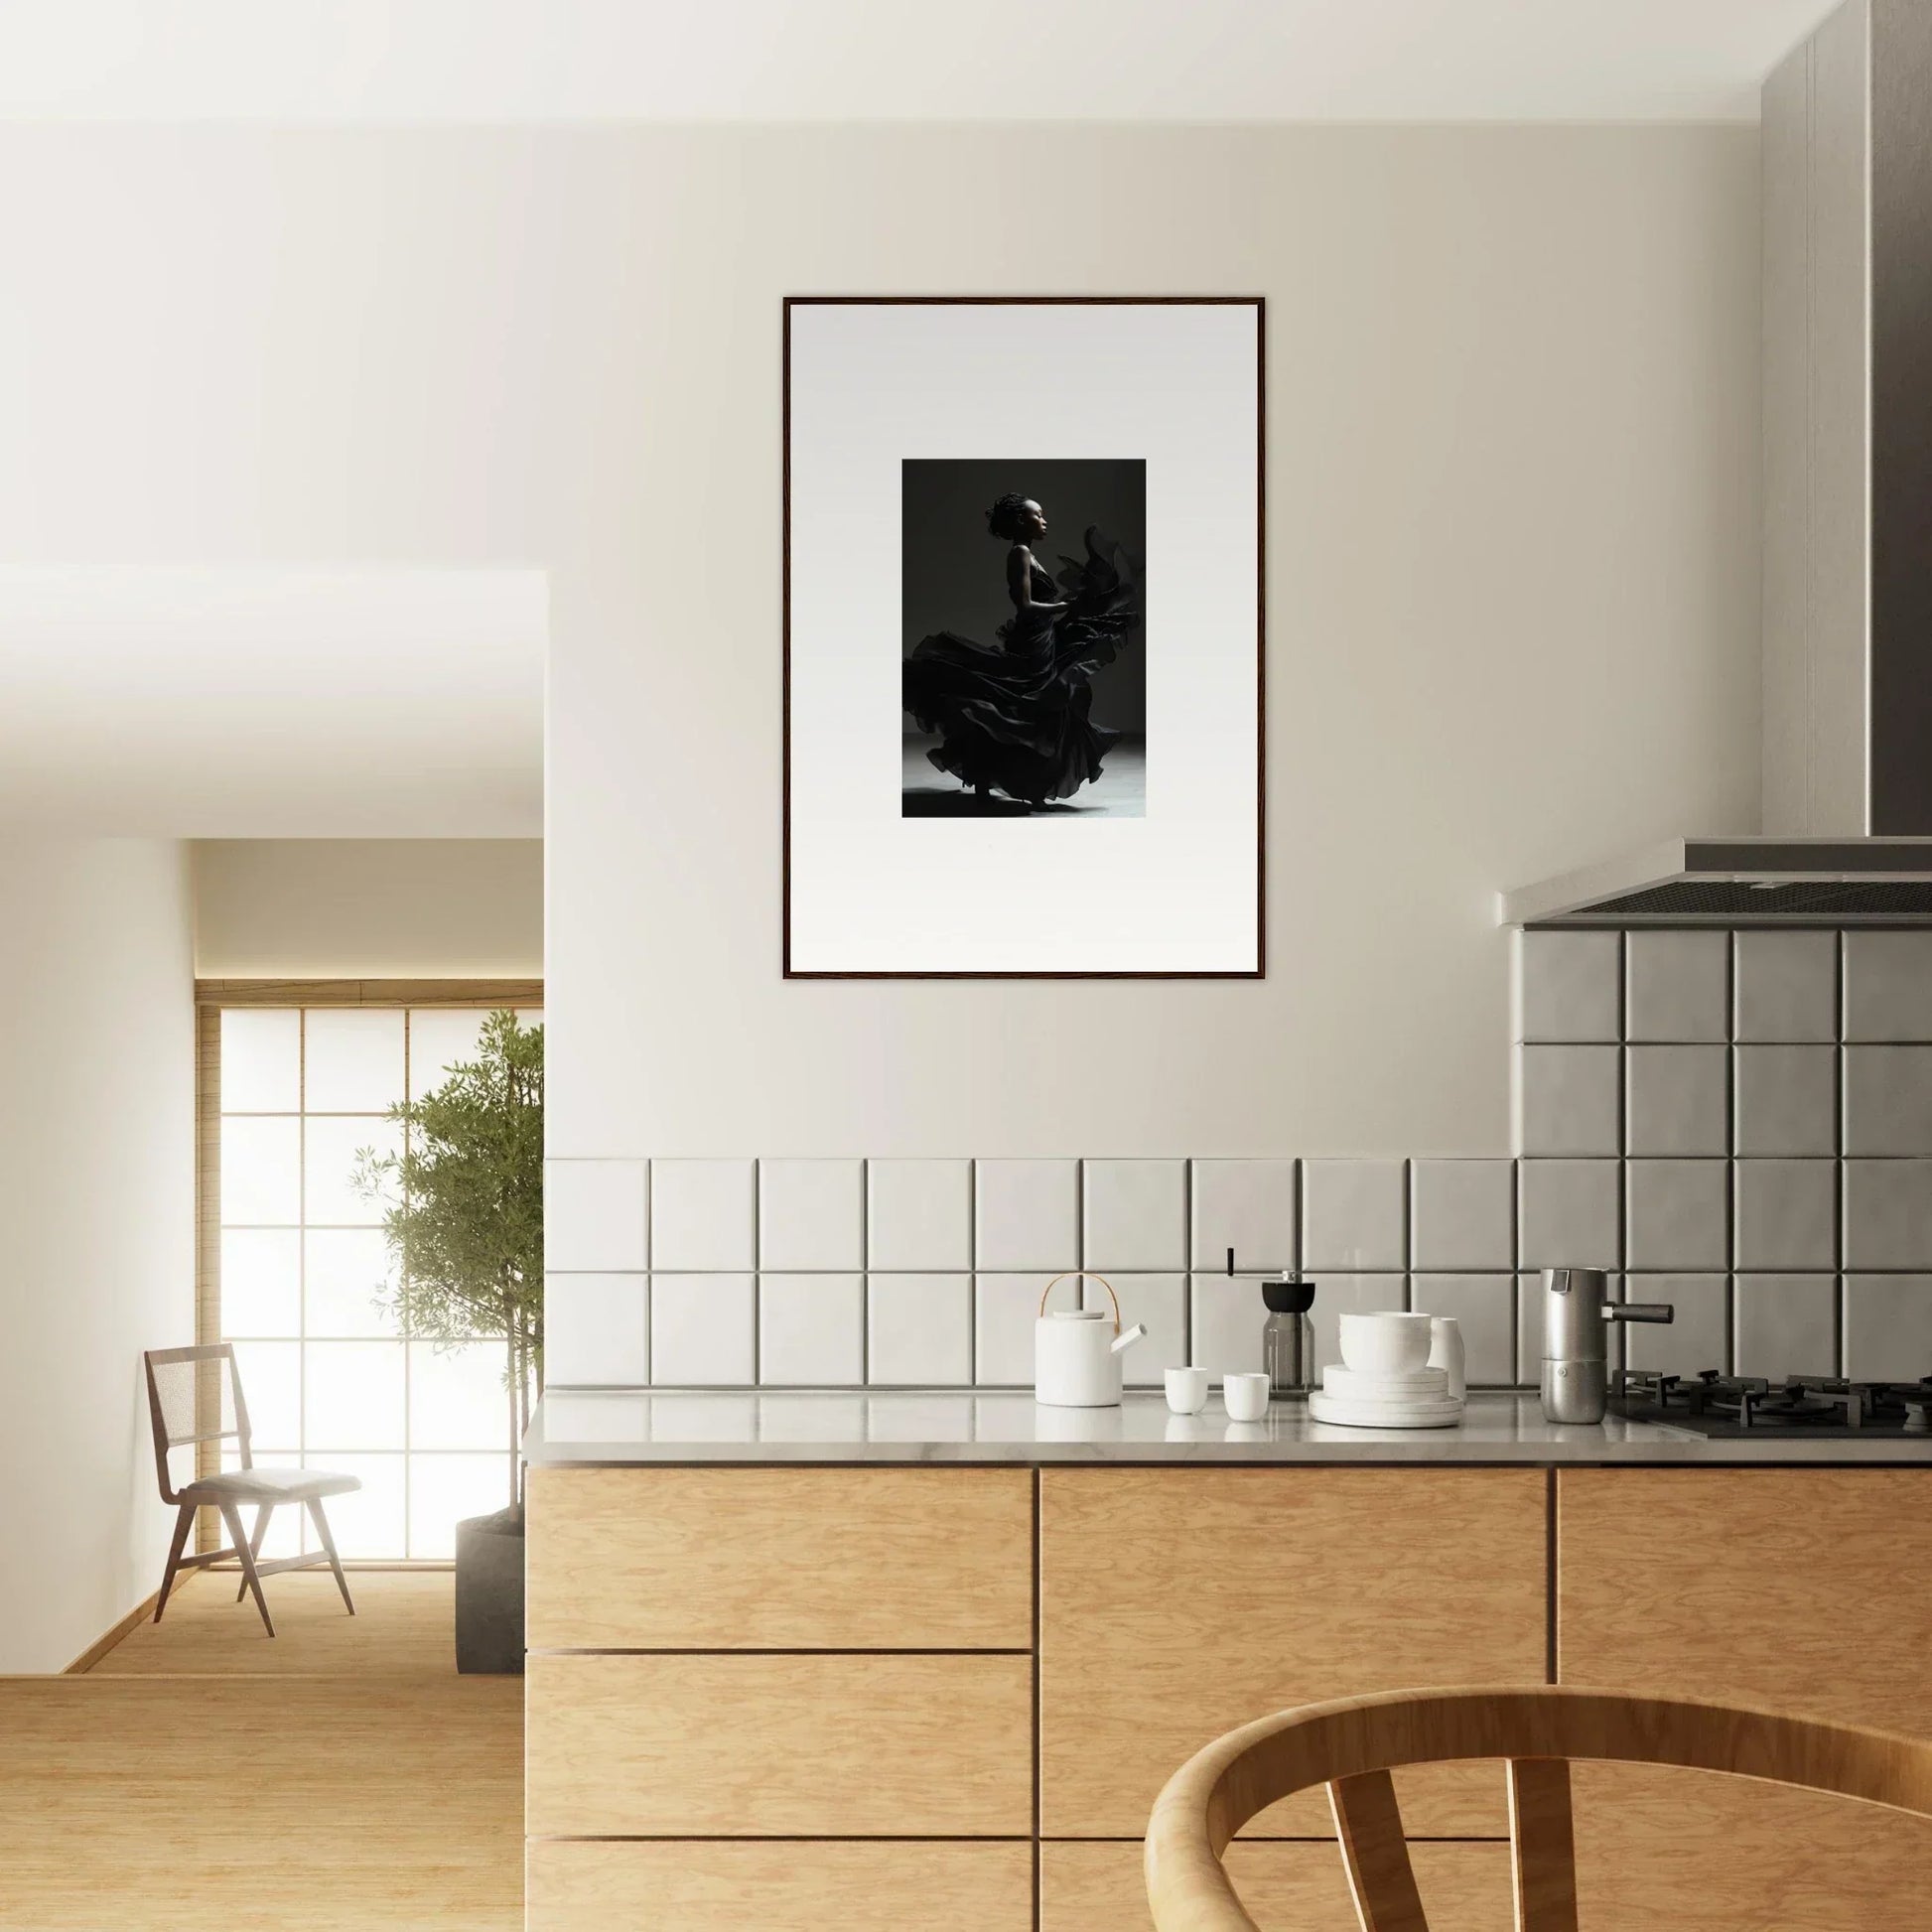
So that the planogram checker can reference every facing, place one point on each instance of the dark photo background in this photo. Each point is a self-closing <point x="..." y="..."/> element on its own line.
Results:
<point x="953" y="574"/>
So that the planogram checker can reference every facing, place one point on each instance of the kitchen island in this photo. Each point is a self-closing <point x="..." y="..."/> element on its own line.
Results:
<point x="857" y="1661"/>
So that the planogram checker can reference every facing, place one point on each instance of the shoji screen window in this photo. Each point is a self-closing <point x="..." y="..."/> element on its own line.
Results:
<point x="306" y="1287"/>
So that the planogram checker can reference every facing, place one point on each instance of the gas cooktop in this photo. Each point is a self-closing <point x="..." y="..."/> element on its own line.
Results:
<point x="1718" y="1405"/>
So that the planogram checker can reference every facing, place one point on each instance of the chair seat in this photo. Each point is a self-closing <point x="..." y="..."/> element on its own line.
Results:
<point x="269" y="1486"/>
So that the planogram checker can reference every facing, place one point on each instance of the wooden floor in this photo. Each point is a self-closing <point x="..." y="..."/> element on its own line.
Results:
<point x="341" y="1776"/>
<point x="402" y="1628"/>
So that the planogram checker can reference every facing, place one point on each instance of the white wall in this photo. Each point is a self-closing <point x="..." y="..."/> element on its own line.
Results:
<point x="98" y="1200"/>
<point x="376" y="909"/>
<point x="1512" y="544"/>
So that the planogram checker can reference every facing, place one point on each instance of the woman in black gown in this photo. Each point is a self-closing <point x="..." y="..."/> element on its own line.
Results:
<point x="1013" y="716"/>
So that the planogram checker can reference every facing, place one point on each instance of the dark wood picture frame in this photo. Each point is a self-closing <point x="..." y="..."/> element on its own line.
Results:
<point x="1259" y="304"/>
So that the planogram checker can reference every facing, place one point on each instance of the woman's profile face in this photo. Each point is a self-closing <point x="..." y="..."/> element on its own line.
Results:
<point x="1032" y="519"/>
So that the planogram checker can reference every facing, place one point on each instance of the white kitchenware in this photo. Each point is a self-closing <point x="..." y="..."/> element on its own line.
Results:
<point x="1186" y="1390"/>
<point x="1423" y="1385"/>
<point x="1246" y="1395"/>
<point x="1437" y="1411"/>
<point x="1384" y="1342"/>
<point x="1446" y="1352"/>
<point x="1078" y="1351"/>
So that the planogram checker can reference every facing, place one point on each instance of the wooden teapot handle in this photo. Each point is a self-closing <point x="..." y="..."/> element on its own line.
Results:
<point x="1084" y="1275"/>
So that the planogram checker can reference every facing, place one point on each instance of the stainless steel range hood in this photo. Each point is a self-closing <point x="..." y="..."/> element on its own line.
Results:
<point x="1740" y="881"/>
<point x="1847" y="538"/>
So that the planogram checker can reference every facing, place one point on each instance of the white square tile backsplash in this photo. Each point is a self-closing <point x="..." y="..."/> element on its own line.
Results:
<point x="1484" y="1307"/>
<point x="811" y="1214"/>
<point x="595" y="1330"/>
<point x="1568" y="986"/>
<point x="1354" y="1215"/>
<point x="811" y="1330"/>
<point x="1784" y="985"/>
<point x="1677" y="986"/>
<point x="594" y="1215"/>
<point x="704" y="1215"/>
<point x="919" y="1215"/>
<point x="1225" y="1319"/>
<point x="1160" y="1303"/>
<point x="1762" y="1102"/>
<point x="1888" y="986"/>
<point x="1567" y="1101"/>
<point x="1135" y="1214"/>
<point x="703" y="1330"/>
<point x="1026" y="1213"/>
<point x="919" y="1330"/>
<point x="1247" y="1206"/>
<point x="1004" y="1309"/>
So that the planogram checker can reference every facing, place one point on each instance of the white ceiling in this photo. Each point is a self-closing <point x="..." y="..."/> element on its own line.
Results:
<point x="892" y="60"/>
<point x="188" y="703"/>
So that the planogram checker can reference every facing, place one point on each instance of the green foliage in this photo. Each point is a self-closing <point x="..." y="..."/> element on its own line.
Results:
<point x="463" y="1205"/>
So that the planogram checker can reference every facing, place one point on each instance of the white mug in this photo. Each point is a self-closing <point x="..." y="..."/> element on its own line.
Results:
<point x="1246" y="1395"/>
<point x="1446" y="1351"/>
<point x="1186" y="1390"/>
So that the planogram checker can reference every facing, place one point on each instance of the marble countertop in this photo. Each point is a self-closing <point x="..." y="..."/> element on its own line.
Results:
<point x="1008" y="1426"/>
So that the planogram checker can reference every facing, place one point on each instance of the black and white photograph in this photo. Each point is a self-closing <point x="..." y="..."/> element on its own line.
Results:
<point x="1022" y="638"/>
<point x="1025" y="675"/>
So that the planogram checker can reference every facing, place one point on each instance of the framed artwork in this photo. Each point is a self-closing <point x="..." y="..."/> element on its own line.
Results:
<point x="1024" y="637"/>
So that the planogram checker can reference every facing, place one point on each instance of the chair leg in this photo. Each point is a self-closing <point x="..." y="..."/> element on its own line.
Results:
<point x="231" y="1515"/>
<point x="328" y="1544"/>
<point x="184" y="1522"/>
<point x="262" y="1513"/>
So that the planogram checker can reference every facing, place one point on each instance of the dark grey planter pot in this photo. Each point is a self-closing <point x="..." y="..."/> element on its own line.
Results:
<point x="489" y="1593"/>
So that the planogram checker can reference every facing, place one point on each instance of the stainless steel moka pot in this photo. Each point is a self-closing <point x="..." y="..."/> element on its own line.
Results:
<point x="1577" y="1317"/>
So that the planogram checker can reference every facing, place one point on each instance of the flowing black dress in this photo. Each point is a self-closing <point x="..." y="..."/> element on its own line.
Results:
<point x="1012" y="716"/>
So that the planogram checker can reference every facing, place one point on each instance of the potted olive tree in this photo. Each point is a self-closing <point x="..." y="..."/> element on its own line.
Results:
<point x="463" y="1212"/>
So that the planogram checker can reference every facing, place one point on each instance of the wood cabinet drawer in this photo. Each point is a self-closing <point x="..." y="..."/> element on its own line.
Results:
<point x="1177" y="1603"/>
<point x="800" y="1887"/>
<point x="761" y="1746"/>
<point x="1464" y="1887"/>
<point x="647" y="1559"/>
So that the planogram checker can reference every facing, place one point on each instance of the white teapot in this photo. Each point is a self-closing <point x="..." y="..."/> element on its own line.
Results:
<point x="1078" y="1351"/>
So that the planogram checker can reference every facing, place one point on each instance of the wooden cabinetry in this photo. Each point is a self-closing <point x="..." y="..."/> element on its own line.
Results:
<point x="801" y="1887"/>
<point x="1806" y="1590"/>
<point x="764" y="1746"/>
<point x="799" y="1697"/>
<point x="780" y="1560"/>
<point x="1178" y="1603"/>
<point x="814" y="1697"/>
<point x="1299" y="1885"/>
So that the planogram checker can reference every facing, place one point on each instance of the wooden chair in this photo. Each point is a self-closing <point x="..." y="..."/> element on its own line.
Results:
<point x="1352" y="1745"/>
<point x="195" y="1396"/>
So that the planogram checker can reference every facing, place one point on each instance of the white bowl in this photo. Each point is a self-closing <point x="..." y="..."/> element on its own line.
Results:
<point x="1385" y="1343"/>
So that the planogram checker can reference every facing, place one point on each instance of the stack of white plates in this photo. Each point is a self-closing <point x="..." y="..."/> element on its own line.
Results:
<point x="1380" y="1399"/>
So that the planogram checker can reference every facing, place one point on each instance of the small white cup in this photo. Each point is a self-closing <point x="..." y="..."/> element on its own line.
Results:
<point x="1186" y="1390"/>
<point x="1246" y="1395"/>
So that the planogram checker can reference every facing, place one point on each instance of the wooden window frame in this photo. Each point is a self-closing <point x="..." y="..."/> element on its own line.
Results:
<point x="210" y="997"/>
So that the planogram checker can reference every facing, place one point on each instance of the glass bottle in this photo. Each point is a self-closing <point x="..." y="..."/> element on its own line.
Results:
<point x="1287" y="1336"/>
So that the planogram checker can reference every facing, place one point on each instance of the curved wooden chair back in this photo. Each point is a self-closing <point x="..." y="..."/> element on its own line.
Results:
<point x="1352" y="1745"/>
